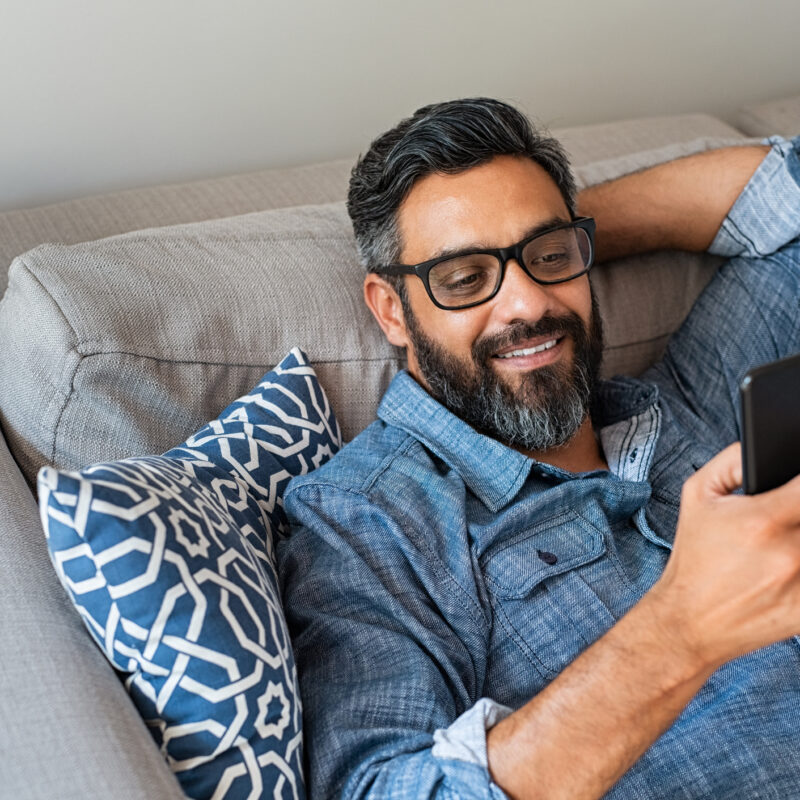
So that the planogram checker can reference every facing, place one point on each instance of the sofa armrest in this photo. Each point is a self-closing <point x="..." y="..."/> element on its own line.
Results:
<point x="67" y="726"/>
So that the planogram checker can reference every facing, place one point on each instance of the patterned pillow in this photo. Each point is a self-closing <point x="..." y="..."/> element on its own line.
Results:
<point x="169" y="561"/>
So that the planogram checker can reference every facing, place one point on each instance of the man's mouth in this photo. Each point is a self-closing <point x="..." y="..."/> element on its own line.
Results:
<point x="530" y="347"/>
<point x="529" y="351"/>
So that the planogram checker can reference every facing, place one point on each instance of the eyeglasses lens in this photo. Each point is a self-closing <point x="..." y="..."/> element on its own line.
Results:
<point x="558" y="255"/>
<point x="552" y="257"/>
<point x="465" y="279"/>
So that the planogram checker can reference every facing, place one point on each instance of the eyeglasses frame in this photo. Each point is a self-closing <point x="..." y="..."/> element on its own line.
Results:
<point x="503" y="255"/>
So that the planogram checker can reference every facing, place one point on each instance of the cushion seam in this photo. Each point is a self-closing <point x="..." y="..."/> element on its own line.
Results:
<point x="181" y="236"/>
<point x="52" y="433"/>
<point x="255" y="365"/>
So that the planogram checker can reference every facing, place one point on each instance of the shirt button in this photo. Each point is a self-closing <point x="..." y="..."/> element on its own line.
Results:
<point x="548" y="558"/>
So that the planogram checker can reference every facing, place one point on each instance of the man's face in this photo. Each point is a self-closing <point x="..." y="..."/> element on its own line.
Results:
<point x="520" y="367"/>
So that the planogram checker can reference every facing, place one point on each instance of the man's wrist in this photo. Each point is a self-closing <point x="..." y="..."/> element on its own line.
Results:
<point x="674" y="627"/>
<point x="578" y="736"/>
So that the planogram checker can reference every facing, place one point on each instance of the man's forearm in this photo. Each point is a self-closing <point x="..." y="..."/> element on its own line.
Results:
<point x="731" y="586"/>
<point x="578" y="736"/>
<point x="678" y="205"/>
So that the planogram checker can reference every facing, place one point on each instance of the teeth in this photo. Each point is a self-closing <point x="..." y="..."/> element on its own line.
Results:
<point x="529" y="351"/>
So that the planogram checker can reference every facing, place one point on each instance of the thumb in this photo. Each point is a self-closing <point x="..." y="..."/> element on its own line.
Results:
<point x="723" y="473"/>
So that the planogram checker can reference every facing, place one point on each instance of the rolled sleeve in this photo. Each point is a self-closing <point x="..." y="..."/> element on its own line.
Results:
<point x="464" y="742"/>
<point x="465" y="739"/>
<point x="766" y="215"/>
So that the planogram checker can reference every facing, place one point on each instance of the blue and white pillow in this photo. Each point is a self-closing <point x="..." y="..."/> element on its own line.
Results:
<point x="169" y="561"/>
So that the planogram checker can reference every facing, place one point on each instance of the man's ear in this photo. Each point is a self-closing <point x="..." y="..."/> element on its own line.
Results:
<point x="384" y="303"/>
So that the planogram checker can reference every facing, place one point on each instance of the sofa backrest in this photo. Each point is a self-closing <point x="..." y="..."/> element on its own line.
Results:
<point x="128" y="344"/>
<point x="95" y="217"/>
<point x="125" y="345"/>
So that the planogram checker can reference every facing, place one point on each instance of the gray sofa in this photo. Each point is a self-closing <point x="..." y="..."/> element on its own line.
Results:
<point x="111" y="347"/>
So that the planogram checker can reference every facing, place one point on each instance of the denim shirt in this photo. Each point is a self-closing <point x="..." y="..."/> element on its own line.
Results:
<point x="436" y="579"/>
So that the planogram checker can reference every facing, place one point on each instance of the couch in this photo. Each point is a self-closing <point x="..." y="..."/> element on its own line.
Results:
<point x="130" y="319"/>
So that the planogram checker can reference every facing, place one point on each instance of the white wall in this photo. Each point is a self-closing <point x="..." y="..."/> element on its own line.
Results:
<point x="102" y="94"/>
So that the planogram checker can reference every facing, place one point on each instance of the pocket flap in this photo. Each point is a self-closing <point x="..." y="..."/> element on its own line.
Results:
<point x="553" y="546"/>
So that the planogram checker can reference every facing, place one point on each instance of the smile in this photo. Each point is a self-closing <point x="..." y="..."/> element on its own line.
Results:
<point x="529" y="351"/>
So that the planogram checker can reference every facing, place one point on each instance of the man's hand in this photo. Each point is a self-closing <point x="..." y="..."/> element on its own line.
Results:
<point x="732" y="585"/>
<point x="733" y="580"/>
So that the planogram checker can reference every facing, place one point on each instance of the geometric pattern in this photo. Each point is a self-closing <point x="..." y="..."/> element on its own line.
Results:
<point x="169" y="561"/>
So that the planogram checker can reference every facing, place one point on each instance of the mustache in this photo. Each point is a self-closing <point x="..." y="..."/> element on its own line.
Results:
<point x="517" y="333"/>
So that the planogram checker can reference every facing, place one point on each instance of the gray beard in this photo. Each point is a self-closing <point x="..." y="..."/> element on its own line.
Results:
<point x="550" y="405"/>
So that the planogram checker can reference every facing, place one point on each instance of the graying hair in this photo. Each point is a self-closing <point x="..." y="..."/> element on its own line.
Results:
<point x="445" y="137"/>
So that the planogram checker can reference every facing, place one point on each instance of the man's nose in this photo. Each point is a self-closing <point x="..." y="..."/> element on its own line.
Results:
<point x="520" y="297"/>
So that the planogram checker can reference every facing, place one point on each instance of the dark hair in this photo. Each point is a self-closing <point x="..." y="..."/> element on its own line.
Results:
<point x="445" y="137"/>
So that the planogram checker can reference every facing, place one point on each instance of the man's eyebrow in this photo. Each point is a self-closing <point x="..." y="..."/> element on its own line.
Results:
<point x="540" y="227"/>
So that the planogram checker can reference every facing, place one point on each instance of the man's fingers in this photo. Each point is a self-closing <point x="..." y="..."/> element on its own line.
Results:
<point x="723" y="473"/>
<point x="785" y="500"/>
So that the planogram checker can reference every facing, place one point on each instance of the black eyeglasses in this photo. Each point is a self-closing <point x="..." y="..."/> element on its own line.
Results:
<point x="467" y="279"/>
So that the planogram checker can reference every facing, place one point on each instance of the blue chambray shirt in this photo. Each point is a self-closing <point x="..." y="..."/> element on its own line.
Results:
<point x="435" y="579"/>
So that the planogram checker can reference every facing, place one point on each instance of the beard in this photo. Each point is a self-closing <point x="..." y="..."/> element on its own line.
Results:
<point x="550" y="403"/>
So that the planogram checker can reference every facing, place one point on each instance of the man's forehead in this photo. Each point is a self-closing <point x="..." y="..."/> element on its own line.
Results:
<point x="492" y="205"/>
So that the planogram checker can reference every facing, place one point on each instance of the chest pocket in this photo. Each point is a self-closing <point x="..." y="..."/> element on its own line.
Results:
<point x="539" y="582"/>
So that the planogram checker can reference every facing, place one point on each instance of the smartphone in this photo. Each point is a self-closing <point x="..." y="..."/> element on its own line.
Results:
<point x="770" y="396"/>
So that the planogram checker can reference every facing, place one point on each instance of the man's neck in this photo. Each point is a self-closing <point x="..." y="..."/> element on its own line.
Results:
<point x="582" y="453"/>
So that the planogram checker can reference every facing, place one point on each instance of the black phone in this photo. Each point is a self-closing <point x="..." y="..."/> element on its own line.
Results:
<point x="770" y="396"/>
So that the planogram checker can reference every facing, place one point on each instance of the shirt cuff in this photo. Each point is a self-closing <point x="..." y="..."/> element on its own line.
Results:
<point x="465" y="739"/>
<point x="766" y="214"/>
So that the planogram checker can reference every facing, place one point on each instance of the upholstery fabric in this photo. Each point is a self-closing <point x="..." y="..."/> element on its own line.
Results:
<point x="99" y="216"/>
<point x="121" y="347"/>
<point x="67" y="727"/>
<point x="117" y="347"/>
<point x="608" y="140"/>
<point x="170" y="562"/>
<point x="780" y="117"/>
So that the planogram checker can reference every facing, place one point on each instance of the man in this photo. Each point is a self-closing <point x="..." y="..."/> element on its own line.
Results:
<point x="520" y="581"/>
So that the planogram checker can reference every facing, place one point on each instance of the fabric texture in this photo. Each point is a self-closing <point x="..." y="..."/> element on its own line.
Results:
<point x="125" y="345"/>
<point x="169" y="561"/>
<point x="117" y="347"/>
<point x="67" y="727"/>
<point x="449" y="579"/>
<point x="780" y="117"/>
<point x="99" y="216"/>
<point x="104" y="215"/>
<point x="604" y="141"/>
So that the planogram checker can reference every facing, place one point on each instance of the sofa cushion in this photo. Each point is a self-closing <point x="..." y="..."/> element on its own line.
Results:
<point x="120" y="346"/>
<point x="780" y="117"/>
<point x="602" y="141"/>
<point x="88" y="218"/>
<point x="170" y="562"/>
<point x="67" y="727"/>
<point x="125" y="345"/>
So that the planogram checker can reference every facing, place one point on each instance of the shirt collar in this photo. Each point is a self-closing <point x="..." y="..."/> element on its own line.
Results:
<point x="620" y="398"/>
<point x="493" y="471"/>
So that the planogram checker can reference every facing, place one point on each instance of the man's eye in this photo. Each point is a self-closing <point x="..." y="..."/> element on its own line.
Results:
<point x="460" y="279"/>
<point x="551" y="258"/>
<point x="463" y="280"/>
<point x="551" y="261"/>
